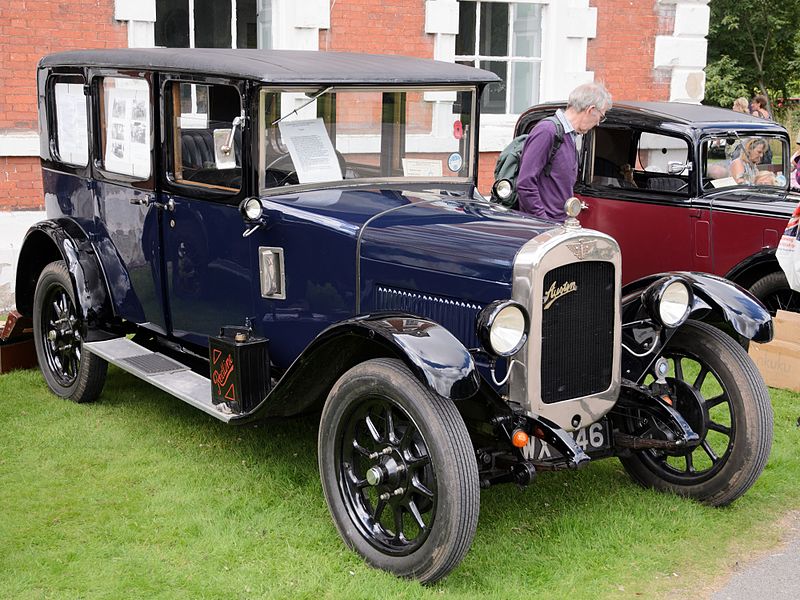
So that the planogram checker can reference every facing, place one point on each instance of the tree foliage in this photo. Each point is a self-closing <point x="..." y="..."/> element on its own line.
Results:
<point x="751" y="48"/>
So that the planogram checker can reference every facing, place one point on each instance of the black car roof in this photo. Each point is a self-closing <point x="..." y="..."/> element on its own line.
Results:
<point x="690" y="113"/>
<point x="279" y="66"/>
<point x="672" y="115"/>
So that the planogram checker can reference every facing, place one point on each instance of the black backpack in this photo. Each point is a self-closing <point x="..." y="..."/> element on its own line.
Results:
<point x="507" y="166"/>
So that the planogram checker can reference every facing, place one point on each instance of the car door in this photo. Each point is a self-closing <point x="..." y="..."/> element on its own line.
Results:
<point x="127" y="216"/>
<point x="635" y="192"/>
<point x="208" y="276"/>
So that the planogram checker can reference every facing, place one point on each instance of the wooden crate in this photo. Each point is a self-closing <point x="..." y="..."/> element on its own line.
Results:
<point x="779" y="361"/>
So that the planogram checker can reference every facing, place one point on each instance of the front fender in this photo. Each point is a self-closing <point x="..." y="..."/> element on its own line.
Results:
<point x="434" y="355"/>
<point x="63" y="239"/>
<point x="717" y="302"/>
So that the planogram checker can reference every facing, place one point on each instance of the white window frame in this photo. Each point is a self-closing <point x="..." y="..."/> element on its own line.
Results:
<point x="508" y="57"/>
<point x="234" y="22"/>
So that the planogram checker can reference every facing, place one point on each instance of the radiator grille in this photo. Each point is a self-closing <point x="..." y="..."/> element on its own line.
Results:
<point x="577" y="331"/>
<point x="457" y="316"/>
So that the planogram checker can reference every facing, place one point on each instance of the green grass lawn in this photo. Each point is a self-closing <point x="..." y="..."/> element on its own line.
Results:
<point x="141" y="496"/>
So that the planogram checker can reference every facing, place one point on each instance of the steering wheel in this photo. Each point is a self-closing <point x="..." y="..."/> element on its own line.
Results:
<point x="281" y="176"/>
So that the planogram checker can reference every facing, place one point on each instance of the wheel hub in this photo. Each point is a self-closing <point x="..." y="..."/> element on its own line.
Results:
<point x="389" y="472"/>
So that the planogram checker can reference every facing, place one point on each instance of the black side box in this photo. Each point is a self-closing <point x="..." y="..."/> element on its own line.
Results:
<point x="239" y="368"/>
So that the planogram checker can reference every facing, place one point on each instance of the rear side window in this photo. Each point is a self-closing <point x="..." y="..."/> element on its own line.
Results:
<point x="71" y="139"/>
<point x="126" y="126"/>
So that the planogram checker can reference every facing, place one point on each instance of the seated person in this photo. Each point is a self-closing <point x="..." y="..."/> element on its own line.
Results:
<point x="765" y="178"/>
<point x="627" y="176"/>
<point x="744" y="169"/>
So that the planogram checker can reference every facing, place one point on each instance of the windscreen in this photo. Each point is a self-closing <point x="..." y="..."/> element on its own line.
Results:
<point x="328" y="135"/>
<point x="744" y="161"/>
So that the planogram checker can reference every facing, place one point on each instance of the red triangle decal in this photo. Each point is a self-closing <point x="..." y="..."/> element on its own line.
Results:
<point x="215" y="354"/>
<point x="231" y="394"/>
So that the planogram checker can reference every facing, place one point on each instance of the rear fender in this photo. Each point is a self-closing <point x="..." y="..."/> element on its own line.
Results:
<point x="63" y="239"/>
<point x="436" y="357"/>
<point x="717" y="302"/>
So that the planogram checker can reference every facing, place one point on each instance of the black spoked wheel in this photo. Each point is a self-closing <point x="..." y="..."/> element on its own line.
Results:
<point x="68" y="371"/>
<point x="774" y="291"/>
<point x="722" y="396"/>
<point x="399" y="471"/>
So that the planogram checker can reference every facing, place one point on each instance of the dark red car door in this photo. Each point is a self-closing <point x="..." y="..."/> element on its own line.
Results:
<point x="745" y="223"/>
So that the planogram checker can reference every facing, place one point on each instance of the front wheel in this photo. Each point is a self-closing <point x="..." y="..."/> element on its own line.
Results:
<point x="723" y="398"/>
<point x="68" y="370"/>
<point x="399" y="471"/>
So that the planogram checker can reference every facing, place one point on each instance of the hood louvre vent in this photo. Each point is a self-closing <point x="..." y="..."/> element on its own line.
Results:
<point x="453" y="314"/>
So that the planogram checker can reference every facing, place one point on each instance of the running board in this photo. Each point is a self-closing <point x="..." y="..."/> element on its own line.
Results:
<point x="161" y="371"/>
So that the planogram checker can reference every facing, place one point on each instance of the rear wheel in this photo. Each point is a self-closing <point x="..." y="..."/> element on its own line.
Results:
<point x="722" y="396"/>
<point x="68" y="370"/>
<point x="774" y="291"/>
<point x="399" y="471"/>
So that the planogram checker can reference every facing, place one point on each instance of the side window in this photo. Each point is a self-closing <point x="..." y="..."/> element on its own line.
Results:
<point x="70" y="136"/>
<point x="614" y="156"/>
<point x="662" y="164"/>
<point x="126" y="126"/>
<point x="206" y="135"/>
<point x="660" y="153"/>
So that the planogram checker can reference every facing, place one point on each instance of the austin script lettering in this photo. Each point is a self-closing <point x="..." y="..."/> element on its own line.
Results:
<point x="554" y="293"/>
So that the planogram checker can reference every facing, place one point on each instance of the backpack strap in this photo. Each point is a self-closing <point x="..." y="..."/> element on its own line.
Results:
<point x="557" y="141"/>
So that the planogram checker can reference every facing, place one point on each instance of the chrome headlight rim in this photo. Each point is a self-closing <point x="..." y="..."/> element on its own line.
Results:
<point x="664" y="298"/>
<point x="487" y="321"/>
<point x="251" y="209"/>
<point x="502" y="189"/>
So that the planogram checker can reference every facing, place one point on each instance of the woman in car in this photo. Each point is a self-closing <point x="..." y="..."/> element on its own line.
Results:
<point x="744" y="169"/>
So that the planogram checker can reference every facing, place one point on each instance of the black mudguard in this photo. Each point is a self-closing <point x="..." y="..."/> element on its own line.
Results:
<point x="717" y="301"/>
<point x="64" y="239"/>
<point x="436" y="357"/>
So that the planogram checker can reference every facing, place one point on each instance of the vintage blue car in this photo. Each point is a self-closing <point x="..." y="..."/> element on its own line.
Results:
<point x="269" y="233"/>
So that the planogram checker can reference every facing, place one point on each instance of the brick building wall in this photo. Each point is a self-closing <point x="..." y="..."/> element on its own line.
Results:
<point x="21" y="183"/>
<point x="387" y="27"/>
<point x="29" y="29"/>
<point x="622" y="53"/>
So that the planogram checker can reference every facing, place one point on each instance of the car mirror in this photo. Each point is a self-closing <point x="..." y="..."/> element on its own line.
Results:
<point x="675" y="167"/>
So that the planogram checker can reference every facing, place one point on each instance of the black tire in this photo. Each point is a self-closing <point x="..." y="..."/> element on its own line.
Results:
<point x="378" y="415"/>
<point x="774" y="291"/>
<point x="69" y="372"/>
<point x="735" y="424"/>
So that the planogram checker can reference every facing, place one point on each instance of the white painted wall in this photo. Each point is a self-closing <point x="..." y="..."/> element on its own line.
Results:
<point x="13" y="226"/>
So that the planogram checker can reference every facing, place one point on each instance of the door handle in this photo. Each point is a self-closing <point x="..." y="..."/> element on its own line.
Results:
<point x="144" y="200"/>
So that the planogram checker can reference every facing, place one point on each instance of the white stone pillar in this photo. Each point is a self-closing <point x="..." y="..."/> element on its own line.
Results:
<point x="684" y="52"/>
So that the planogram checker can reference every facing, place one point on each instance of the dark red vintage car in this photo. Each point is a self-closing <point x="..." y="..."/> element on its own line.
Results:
<point x="657" y="177"/>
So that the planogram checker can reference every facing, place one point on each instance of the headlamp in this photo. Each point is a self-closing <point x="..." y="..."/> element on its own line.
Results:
<point x="669" y="301"/>
<point x="503" y="327"/>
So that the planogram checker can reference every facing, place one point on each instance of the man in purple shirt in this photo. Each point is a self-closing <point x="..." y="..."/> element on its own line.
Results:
<point x="543" y="195"/>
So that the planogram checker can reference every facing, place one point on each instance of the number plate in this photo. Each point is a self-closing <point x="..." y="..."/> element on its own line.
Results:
<point x="591" y="439"/>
